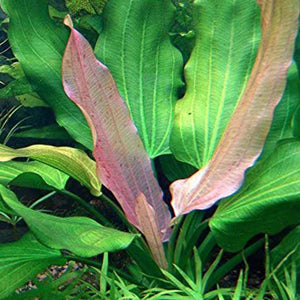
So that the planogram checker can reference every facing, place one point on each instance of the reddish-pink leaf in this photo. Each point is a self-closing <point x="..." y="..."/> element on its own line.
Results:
<point x="148" y="223"/>
<point x="244" y="137"/>
<point x="122" y="163"/>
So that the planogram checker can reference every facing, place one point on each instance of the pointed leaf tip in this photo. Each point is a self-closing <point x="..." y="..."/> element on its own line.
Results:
<point x="68" y="21"/>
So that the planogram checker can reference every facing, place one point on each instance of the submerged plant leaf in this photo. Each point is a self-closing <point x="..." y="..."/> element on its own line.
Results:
<point x="227" y="35"/>
<point x="71" y="161"/>
<point x="148" y="223"/>
<point x="267" y="202"/>
<point x="20" y="261"/>
<point x="123" y="164"/>
<point x="32" y="174"/>
<point x="38" y="43"/>
<point x="282" y="125"/>
<point x="135" y="46"/>
<point x="245" y="134"/>
<point x="80" y="235"/>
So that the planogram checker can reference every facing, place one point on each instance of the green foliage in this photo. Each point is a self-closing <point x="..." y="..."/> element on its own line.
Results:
<point x="6" y="131"/>
<point x="19" y="87"/>
<point x="289" y="251"/>
<point x="267" y="202"/>
<point x="67" y="286"/>
<point x="22" y="260"/>
<point x="226" y="39"/>
<point x="218" y="41"/>
<point x="182" y="33"/>
<point x="51" y="132"/>
<point x="80" y="235"/>
<point x="39" y="45"/>
<point x="282" y="126"/>
<point x="148" y="72"/>
<point x="90" y="6"/>
<point x="73" y="162"/>
<point x="175" y="169"/>
<point x="32" y="174"/>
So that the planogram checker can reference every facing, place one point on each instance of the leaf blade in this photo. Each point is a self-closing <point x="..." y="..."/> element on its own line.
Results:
<point x="227" y="36"/>
<point x="247" y="130"/>
<point x="145" y="65"/>
<point x="71" y="161"/>
<point x="122" y="162"/>
<point x="267" y="202"/>
<point x="32" y="174"/>
<point x="21" y="260"/>
<point x="38" y="44"/>
<point x="282" y="125"/>
<point x="80" y="235"/>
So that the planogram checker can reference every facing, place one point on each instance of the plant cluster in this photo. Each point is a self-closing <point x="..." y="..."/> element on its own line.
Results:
<point x="203" y="94"/>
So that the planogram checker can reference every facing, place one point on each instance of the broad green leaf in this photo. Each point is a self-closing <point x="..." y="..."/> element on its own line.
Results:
<point x="282" y="125"/>
<point x="243" y="140"/>
<point x="136" y="47"/>
<point x="38" y="43"/>
<point x="80" y="235"/>
<point x="267" y="202"/>
<point x="71" y="161"/>
<point x="32" y="174"/>
<point x="20" y="261"/>
<point x="227" y="34"/>
<point x="122" y="163"/>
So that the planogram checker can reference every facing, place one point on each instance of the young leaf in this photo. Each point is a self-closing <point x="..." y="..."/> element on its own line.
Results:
<point x="80" y="235"/>
<point x="267" y="202"/>
<point x="38" y="43"/>
<point x="245" y="134"/>
<point x="123" y="164"/>
<point x="20" y="261"/>
<point x="135" y="46"/>
<point x="71" y="161"/>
